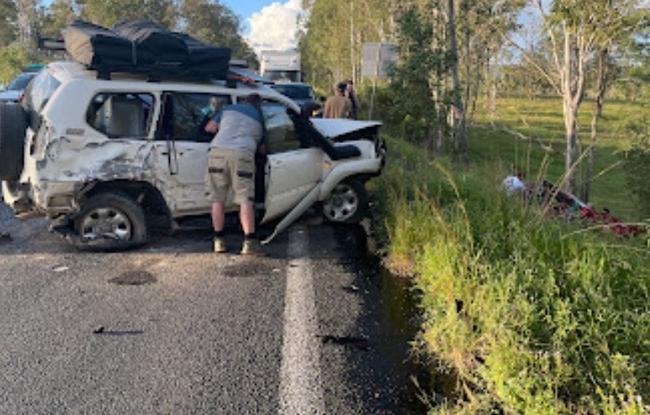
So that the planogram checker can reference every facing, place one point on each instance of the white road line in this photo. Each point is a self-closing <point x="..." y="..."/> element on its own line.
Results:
<point x="301" y="391"/>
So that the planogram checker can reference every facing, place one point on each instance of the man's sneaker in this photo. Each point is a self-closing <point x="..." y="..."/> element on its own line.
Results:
<point x="219" y="245"/>
<point x="251" y="247"/>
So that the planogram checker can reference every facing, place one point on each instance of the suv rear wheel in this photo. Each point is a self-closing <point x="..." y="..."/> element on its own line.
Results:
<point x="12" y="141"/>
<point x="111" y="221"/>
<point x="347" y="202"/>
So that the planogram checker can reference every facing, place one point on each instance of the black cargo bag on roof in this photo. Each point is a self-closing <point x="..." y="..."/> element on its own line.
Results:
<point x="98" y="48"/>
<point x="205" y="60"/>
<point x="144" y="47"/>
<point x="156" y="47"/>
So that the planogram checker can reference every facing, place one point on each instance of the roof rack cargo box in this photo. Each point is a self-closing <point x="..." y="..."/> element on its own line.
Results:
<point x="143" y="47"/>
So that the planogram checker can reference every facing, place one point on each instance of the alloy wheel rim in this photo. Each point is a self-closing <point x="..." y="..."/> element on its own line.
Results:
<point x="342" y="203"/>
<point x="106" y="222"/>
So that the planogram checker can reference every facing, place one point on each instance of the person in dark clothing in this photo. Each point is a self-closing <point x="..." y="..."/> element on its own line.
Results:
<point x="351" y="94"/>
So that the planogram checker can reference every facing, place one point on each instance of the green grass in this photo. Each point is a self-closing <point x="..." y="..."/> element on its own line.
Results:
<point x="530" y="313"/>
<point x="541" y="120"/>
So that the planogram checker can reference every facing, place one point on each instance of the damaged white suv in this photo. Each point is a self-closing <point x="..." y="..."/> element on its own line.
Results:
<point x="110" y="160"/>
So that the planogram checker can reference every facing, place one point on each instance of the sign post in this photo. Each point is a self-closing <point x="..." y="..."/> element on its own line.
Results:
<point x="376" y="60"/>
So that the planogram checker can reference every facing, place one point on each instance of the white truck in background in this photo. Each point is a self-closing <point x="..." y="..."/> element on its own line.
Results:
<point x="281" y="66"/>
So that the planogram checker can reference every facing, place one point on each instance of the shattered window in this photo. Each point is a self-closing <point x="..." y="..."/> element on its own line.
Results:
<point x="280" y="131"/>
<point x="120" y="115"/>
<point x="190" y="113"/>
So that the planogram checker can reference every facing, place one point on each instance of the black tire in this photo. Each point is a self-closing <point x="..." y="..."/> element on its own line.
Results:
<point x="357" y="187"/>
<point x="13" y="124"/>
<point x="120" y="204"/>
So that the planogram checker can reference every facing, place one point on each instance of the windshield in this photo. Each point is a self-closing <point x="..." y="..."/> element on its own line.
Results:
<point x="295" y="91"/>
<point x="20" y="82"/>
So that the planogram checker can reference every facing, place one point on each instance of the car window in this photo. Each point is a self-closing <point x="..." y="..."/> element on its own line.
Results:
<point x="187" y="114"/>
<point x="20" y="82"/>
<point x="280" y="130"/>
<point x="121" y="115"/>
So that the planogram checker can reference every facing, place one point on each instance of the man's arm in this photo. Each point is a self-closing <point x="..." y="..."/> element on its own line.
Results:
<point x="212" y="126"/>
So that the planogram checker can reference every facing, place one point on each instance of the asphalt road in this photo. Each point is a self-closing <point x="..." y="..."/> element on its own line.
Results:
<point x="172" y="328"/>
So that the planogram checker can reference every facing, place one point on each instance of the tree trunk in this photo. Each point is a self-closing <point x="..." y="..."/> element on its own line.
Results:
<point x="601" y="88"/>
<point x="352" y="60"/>
<point x="458" y="113"/>
<point x="570" y="112"/>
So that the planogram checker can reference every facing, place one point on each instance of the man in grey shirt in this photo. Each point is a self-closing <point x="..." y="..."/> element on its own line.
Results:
<point x="231" y="166"/>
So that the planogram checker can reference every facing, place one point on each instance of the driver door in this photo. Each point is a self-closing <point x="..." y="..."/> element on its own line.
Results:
<point x="183" y="147"/>
<point x="292" y="169"/>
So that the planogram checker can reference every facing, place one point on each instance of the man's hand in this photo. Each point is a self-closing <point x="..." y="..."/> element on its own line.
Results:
<point x="211" y="127"/>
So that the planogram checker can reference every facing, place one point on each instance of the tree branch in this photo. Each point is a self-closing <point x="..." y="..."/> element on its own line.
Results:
<point x="529" y="59"/>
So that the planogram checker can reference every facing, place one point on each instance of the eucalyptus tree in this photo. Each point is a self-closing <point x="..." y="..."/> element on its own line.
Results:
<point x="571" y="30"/>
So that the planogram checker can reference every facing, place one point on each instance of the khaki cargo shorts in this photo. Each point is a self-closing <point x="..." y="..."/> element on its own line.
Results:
<point x="231" y="170"/>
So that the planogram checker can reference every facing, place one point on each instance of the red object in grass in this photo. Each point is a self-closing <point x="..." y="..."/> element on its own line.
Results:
<point x="609" y="221"/>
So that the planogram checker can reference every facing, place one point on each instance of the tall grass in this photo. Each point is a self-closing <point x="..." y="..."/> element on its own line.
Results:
<point x="530" y="314"/>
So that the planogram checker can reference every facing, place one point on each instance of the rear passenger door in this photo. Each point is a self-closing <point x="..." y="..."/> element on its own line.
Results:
<point x="182" y="144"/>
<point x="292" y="169"/>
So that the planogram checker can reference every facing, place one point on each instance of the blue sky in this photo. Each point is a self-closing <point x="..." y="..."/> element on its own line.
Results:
<point x="245" y="8"/>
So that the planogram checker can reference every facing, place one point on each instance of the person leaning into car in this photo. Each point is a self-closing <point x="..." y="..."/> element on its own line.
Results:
<point x="239" y="131"/>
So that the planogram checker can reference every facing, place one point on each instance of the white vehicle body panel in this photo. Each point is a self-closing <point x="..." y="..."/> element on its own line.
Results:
<point x="334" y="127"/>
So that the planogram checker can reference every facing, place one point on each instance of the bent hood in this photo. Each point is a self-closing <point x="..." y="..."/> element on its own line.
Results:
<point x="336" y="127"/>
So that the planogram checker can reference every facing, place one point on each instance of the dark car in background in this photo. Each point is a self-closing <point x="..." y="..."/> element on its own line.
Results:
<point x="300" y="93"/>
<point x="15" y="89"/>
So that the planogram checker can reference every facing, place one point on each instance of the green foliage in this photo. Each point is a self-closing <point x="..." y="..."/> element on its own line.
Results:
<point x="58" y="16"/>
<point x="532" y="315"/>
<point x="8" y="18"/>
<point x="417" y="78"/>
<point x="335" y="33"/>
<point x="637" y="163"/>
<point x="12" y="59"/>
<point x="109" y="12"/>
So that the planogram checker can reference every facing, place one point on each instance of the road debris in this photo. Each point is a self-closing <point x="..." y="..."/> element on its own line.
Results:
<point x="5" y="237"/>
<point x="136" y="277"/>
<point x="61" y="268"/>
<point x="98" y="330"/>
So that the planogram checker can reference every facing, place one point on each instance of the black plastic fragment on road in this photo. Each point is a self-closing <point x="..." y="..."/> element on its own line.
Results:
<point x="346" y="341"/>
<point x="5" y="237"/>
<point x="119" y="333"/>
<point x="138" y="277"/>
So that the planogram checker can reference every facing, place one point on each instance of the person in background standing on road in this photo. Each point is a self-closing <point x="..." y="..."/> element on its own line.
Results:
<point x="338" y="106"/>
<point x="239" y="131"/>
<point x="351" y="94"/>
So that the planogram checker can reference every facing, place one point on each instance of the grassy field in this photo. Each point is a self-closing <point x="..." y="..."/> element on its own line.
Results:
<point x="529" y="313"/>
<point x="541" y="120"/>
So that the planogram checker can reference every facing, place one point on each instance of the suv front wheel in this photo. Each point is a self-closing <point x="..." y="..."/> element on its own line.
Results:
<point x="110" y="221"/>
<point x="347" y="202"/>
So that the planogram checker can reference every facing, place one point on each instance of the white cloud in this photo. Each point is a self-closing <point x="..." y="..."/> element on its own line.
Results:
<point x="275" y="26"/>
